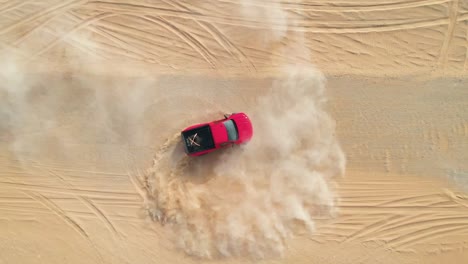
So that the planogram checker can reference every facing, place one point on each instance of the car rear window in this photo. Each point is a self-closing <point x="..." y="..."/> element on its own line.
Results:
<point x="231" y="130"/>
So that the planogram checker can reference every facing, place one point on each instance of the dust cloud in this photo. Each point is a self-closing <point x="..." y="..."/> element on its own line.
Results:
<point x="248" y="200"/>
<point x="242" y="201"/>
<point x="45" y="113"/>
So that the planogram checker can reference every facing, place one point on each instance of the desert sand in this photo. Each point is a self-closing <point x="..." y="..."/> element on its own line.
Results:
<point x="359" y="154"/>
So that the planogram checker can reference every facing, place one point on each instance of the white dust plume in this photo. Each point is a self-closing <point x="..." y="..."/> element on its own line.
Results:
<point x="249" y="200"/>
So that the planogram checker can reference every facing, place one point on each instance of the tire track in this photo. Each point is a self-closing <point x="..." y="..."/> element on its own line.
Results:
<point x="43" y="26"/>
<point x="75" y="191"/>
<point x="170" y="141"/>
<point x="12" y="50"/>
<point x="263" y="54"/>
<point x="218" y="36"/>
<point x="114" y="218"/>
<point x="59" y="213"/>
<point x="337" y="27"/>
<point x="66" y="219"/>
<point x="345" y="7"/>
<point x="49" y="171"/>
<point x="126" y="49"/>
<point x="23" y="216"/>
<point x="412" y="198"/>
<point x="206" y="27"/>
<point x="139" y="35"/>
<point x="296" y="12"/>
<point x="79" y="26"/>
<point x="453" y="15"/>
<point x="368" y="229"/>
<point x="399" y="221"/>
<point x="146" y="55"/>
<point x="13" y="5"/>
<point x="61" y="7"/>
<point x="203" y="36"/>
<point x="185" y="36"/>
<point x="35" y="28"/>
<point x="401" y="226"/>
<point x="124" y="41"/>
<point x="15" y="210"/>
<point x="426" y="234"/>
<point x="393" y="209"/>
<point x="405" y="219"/>
<point x="156" y="204"/>
<point x="100" y="215"/>
<point x="114" y="52"/>
<point x="224" y="42"/>
<point x="134" y="180"/>
<point x="117" y="202"/>
<point x="56" y="168"/>
<point x="391" y="191"/>
<point x="134" y="9"/>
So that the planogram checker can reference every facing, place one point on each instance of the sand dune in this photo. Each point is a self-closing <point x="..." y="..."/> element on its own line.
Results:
<point x="359" y="153"/>
<point x="405" y="37"/>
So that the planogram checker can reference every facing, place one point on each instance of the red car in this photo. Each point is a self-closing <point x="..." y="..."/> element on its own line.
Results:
<point x="204" y="138"/>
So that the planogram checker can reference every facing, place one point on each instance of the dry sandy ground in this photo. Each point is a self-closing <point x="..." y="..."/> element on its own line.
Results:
<point x="369" y="166"/>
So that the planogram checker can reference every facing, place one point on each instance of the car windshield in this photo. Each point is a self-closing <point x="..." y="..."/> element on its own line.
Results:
<point x="231" y="130"/>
